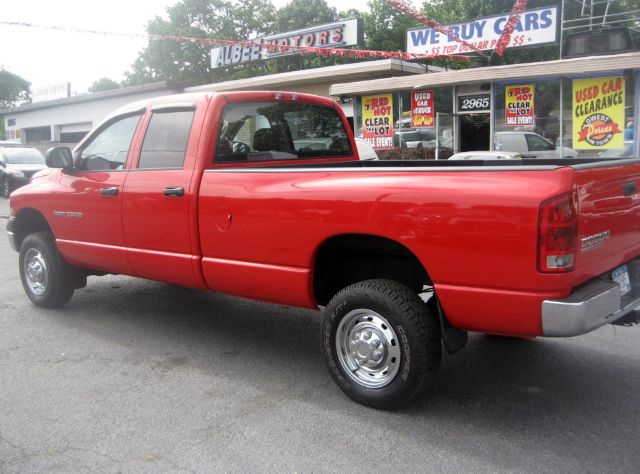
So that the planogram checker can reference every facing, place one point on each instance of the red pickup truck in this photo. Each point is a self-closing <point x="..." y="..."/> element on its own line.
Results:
<point x="261" y="195"/>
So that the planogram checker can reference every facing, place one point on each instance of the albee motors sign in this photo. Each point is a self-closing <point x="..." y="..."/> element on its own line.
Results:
<point x="332" y="35"/>
<point x="535" y="27"/>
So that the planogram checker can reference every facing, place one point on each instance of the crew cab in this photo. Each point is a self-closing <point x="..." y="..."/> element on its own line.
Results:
<point x="261" y="195"/>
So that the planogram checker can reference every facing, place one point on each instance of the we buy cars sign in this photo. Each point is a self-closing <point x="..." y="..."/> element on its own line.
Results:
<point x="534" y="28"/>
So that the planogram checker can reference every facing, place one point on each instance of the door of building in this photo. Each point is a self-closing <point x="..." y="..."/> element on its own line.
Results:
<point x="475" y="132"/>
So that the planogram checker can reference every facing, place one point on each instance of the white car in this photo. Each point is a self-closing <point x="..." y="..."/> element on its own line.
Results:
<point x="365" y="150"/>
<point x="486" y="155"/>
<point x="531" y="145"/>
<point x="625" y="152"/>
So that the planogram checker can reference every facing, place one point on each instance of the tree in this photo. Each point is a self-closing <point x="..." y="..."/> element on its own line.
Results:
<point x="188" y="62"/>
<point x="13" y="89"/>
<point x="296" y="15"/>
<point x="302" y="14"/>
<point x="104" y="84"/>
<point x="385" y="27"/>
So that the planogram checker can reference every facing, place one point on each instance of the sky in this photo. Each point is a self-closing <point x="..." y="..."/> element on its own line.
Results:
<point x="46" y="56"/>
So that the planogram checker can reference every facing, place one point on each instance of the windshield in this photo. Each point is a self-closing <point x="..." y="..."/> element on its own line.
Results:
<point x="24" y="156"/>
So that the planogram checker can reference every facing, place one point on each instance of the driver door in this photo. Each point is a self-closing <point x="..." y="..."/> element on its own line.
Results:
<point x="88" y="215"/>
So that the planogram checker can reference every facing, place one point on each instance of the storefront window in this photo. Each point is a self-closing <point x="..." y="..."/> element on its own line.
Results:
<point x="527" y="118"/>
<point x="599" y="115"/>
<point x="414" y="121"/>
<point x="416" y="125"/>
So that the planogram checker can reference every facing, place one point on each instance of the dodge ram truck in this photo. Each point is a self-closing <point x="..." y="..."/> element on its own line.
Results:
<point x="261" y="195"/>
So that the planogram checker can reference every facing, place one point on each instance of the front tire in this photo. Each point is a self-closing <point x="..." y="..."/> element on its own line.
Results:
<point x="380" y="343"/>
<point x="46" y="278"/>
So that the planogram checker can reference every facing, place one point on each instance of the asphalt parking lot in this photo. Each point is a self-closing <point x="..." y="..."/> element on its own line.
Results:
<point x="137" y="376"/>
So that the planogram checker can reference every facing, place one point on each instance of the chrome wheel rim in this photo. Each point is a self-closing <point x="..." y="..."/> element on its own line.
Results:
<point x="368" y="348"/>
<point x="35" y="272"/>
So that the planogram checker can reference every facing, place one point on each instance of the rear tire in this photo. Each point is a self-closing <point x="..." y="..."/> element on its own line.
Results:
<point x="46" y="278"/>
<point x="380" y="343"/>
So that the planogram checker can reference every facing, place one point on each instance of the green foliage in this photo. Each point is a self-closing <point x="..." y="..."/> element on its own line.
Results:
<point x="104" y="84"/>
<point x="385" y="27"/>
<point x="296" y="15"/>
<point x="187" y="62"/>
<point x="13" y="89"/>
<point x="302" y="14"/>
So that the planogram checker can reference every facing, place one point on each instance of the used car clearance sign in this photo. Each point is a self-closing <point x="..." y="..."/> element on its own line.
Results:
<point x="598" y="113"/>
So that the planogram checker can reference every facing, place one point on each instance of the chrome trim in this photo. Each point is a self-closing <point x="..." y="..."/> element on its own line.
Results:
<point x="363" y="165"/>
<point x="36" y="272"/>
<point x="590" y="306"/>
<point x="368" y="348"/>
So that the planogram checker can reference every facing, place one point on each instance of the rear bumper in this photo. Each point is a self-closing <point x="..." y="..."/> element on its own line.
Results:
<point x="590" y="306"/>
<point x="10" y="233"/>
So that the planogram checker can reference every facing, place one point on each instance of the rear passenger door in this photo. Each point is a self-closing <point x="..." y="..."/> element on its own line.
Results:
<point x="158" y="199"/>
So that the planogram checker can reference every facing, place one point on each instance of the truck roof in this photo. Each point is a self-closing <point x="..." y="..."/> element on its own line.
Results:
<point x="197" y="97"/>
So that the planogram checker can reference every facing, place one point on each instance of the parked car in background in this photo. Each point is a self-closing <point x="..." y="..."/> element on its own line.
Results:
<point x="414" y="138"/>
<point x="365" y="150"/>
<point x="10" y="144"/>
<point x="17" y="165"/>
<point x="625" y="152"/>
<point x="486" y="155"/>
<point x="406" y="136"/>
<point x="531" y="145"/>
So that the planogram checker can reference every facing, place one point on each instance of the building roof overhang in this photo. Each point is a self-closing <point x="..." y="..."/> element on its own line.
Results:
<point x="360" y="70"/>
<point x="79" y="99"/>
<point x="511" y="72"/>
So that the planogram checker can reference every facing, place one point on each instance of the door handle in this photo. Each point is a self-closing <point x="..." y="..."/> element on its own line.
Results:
<point x="176" y="191"/>
<point x="109" y="191"/>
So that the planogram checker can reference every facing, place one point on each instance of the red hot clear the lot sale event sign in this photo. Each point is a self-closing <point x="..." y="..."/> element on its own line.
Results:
<point x="519" y="106"/>
<point x="377" y="117"/>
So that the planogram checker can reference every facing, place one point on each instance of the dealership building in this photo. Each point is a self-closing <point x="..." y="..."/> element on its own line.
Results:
<point x="584" y="106"/>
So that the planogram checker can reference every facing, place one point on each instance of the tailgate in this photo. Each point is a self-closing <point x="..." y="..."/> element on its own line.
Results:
<point x="609" y="217"/>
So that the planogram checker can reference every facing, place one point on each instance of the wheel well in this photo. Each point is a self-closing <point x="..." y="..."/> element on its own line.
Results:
<point x="28" y="222"/>
<point x="348" y="259"/>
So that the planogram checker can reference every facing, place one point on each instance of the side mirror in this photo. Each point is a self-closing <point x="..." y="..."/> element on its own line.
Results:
<point x="59" y="157"/>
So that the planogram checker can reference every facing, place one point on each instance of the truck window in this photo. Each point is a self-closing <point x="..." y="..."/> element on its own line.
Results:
<point x="108" y="150"/>
<point x="280" y="131"/>
<point x="165" y="141"/>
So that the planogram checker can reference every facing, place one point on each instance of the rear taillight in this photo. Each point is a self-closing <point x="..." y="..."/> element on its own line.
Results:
<point x="558" y="234"/>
